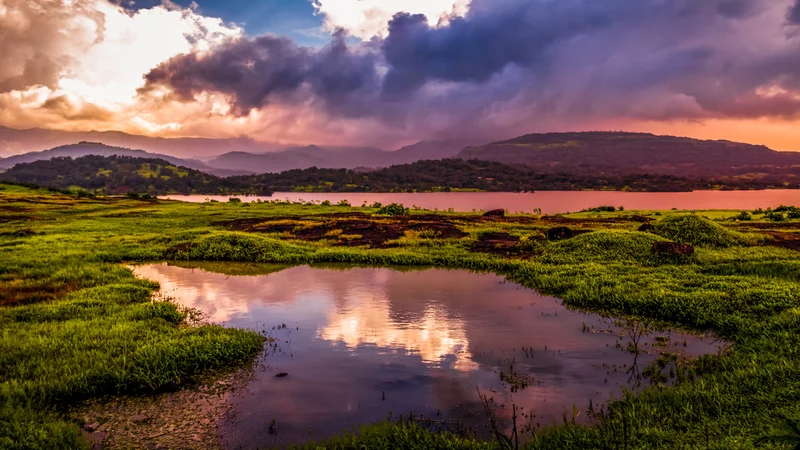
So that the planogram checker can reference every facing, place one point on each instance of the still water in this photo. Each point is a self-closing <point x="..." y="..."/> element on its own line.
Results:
<point x="550" y="202"/>
<point x="354" y="345"/>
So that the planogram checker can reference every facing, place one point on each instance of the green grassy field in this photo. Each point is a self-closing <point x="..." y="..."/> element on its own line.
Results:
<point x="75" y="324"/>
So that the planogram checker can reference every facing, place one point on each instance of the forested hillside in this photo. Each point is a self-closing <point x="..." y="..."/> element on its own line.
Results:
<point x="121" y="175"/>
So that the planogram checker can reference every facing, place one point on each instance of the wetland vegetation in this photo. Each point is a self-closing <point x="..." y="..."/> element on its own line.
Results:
<point x="76" y="324"/>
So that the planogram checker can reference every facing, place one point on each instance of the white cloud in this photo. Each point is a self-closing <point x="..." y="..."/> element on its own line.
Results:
<point x="91" y="55"/>
<point x="368" y="18"/>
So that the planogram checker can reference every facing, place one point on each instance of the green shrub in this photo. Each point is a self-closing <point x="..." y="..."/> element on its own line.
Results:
<point x="601" y="209"/>
<point x="234" y="200"/>
<point x="696" y="230"/>
<point x="775" y="216"/>
<point x="604" y="245"/>
<point x="232" y="246"/>
<point x="743" y="216"/>
<point x="394" y="209"/>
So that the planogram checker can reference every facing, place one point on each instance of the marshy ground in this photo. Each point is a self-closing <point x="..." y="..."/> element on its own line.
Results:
<point x="77" y="326"/>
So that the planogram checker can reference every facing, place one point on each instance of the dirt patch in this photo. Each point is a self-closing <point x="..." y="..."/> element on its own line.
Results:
<point x="16" y="218"/>
<point x="597" y="220"/>
<point x="771" y="225"/>
<point x="784" y="240"/>
<point x="12" y="294"/>
<point x="499" y="244"/>
<point x="354" y="230"/>
<point x="22" y="232"/>
<point x="181" y="248"/>
<point x="13" y="209"/>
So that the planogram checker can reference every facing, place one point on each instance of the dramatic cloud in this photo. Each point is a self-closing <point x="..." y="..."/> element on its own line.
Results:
<point x="485" y="68"/>
<point x="368" y="18"/>
<point x="506" y="65"/>
<point x="258" y="71"/>
<point x="794" y="13"/>
<point x="82" y="60"/>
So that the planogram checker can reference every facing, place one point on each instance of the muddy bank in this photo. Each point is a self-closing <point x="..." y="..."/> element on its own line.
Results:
<point x="354" y="229"/>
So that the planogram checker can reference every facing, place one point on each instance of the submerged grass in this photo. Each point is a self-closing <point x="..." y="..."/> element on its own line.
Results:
<point x="80" y="326"/>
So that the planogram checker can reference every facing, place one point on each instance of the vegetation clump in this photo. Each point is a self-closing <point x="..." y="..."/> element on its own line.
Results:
<point x="695" y="230"/>
<point x="603" y="245"/>
<point x="393" y="209"/>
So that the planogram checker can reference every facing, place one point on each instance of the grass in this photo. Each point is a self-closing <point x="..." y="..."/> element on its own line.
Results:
<point x="76" y="324"/>
<point x="696" y="230"/>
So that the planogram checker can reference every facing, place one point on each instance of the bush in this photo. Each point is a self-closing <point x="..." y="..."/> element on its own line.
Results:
<point x="231" y="246"/>
<point x="775" y="216"/>
<point x="696" y="230"/>
<point x="234" y="200"/>
<point x="744" y="215"/>
<point x="604" y="245"/>
<point x="394" y="209"/>
<point x="601" y="209"/>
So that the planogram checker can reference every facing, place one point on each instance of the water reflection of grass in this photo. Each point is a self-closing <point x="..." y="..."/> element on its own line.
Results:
<point x="77" y="325"/>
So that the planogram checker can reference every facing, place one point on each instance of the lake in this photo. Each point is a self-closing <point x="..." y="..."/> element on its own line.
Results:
<point x="350" y="346"/>
<point x="550" y="202"/>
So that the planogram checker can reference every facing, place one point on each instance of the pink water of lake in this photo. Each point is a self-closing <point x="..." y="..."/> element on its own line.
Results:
<point x="550" y="202"/>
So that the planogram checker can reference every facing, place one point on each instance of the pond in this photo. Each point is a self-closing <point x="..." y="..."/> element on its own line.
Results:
<point x="550" y="202"/>
<point x="351" y="346"/>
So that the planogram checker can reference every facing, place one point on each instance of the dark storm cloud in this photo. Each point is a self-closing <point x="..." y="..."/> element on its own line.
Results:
<point x="514" y="61"/>
<point x="268" y="68"/>
<point x="794" y="13"/>
<point x="478" y="46"/>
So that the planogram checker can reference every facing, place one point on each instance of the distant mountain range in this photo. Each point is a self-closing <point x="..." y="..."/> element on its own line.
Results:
<point x="642" y="153"/>
<point x="14" y="141"/>
<point x="125" y="174"/>
<point x="585" y="155"/>
<point x="96" y="148"/>
<point x="336" y="157"/>
<point x="122" y="175"/>
<point x="238" y="154"/>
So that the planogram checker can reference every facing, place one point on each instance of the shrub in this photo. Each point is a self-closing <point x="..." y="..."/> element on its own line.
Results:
<point x="744" y="215"/>
<point x="775" y="216"/>
<point x="234" y="200"/>
<point x="232" y="246"/>
<point x="696" y="230"/>
<point x="394" y="209"/>
<point x="604" y="245"/>
<point x="601" y="209"/>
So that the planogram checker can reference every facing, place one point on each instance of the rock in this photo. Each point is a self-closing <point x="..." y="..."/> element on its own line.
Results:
<point x="559" y="233"/>
<point x="672" y="248"/>
<point x="138" y="418"/>
<point x="647" y="228"/>
<point x="495" y="213"/>
<point x="282" y="375"/>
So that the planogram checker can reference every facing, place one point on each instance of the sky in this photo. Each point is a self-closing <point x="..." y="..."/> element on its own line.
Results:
<point x="390" y="72"/>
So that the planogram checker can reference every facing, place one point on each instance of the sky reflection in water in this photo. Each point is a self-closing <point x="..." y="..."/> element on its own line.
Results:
<point x="361" y="343"/>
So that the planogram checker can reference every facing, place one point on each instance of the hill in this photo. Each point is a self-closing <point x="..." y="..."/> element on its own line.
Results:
<point x="122" y="175"/>
<point x="336" y="157"/>
<point x="13" y="141"/>
<point x="95" y="148"/>
<point x="628" y="153"/>
<point x="457" y="174"/>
